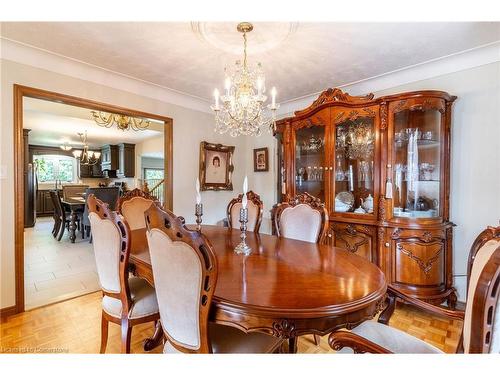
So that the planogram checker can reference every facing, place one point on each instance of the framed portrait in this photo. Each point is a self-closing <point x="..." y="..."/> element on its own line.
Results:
<point x="260" y="160"/>
<point x="216" y="166"/>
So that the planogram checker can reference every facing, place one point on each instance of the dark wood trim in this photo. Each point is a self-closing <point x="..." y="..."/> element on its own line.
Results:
<point x="7" y="311"/>
<point x="20" y="92"/>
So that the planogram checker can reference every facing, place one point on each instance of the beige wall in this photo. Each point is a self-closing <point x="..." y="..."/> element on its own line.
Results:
<point x="190" y="127"/>
<point x="475" y="159"/>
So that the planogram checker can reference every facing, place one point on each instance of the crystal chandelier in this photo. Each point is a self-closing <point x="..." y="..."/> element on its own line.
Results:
<point x="360" y="140"/>
<point x="85" y="156"/>
<point x="241" y="110"/>
<point x="122" y="122"/>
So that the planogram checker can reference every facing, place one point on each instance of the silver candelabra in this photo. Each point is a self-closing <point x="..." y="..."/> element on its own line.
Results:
<point x="242" y="247"/>
<point x="198" y="211"/>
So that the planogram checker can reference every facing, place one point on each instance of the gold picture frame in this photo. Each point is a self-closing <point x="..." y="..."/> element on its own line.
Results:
<point x="216" y="166"/>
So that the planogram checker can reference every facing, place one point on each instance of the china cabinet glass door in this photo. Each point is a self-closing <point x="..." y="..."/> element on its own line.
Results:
<point x="354" y="159"/>
<point x="310" y="167"/>
<point x="416" y="155"/>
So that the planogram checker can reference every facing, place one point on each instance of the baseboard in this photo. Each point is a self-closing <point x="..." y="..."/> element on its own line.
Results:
<point x="8" y="311"/>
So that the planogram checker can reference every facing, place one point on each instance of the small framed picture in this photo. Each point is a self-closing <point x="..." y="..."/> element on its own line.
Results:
<point x="260" y="160"/>
<point x="216" y="166"/>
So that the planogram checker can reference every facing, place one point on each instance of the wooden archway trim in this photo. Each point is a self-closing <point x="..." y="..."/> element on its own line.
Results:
<point x="24" y="91"/>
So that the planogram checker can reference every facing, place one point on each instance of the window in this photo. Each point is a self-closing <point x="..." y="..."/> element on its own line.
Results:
<point x="55" y="167"/>
<point x="153" y="174"/>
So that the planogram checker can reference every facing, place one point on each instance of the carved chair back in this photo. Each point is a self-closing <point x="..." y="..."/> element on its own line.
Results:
<point x="133" y="204"/>
<point x="303" y="217"/>
<point x="255" y="207"/>
<point x="70" y="191"/>
<point x="111" y="241"/>
<point x="58" y="207"/>
<point x="481" y="331"/>
<point x="185" y="273"/>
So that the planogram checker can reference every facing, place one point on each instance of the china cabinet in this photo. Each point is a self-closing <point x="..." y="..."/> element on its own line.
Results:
<point x="382" y="167"/>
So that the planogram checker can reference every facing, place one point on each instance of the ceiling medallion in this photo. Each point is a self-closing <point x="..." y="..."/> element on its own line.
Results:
<point x="241" y="109"/>
<point x="122" y="122"/>
<point x="265" y="37"/>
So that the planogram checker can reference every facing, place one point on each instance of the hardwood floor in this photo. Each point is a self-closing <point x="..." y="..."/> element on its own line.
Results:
<point x="73" y="326"/>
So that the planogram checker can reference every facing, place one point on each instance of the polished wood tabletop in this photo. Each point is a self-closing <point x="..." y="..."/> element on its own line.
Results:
<point x="284" y="287"/>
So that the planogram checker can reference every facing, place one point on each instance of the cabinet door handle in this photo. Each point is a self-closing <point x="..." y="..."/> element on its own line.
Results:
<point x="331" y="168"/>
<point x="330" y="235"/>
<point x="387" y="244"/>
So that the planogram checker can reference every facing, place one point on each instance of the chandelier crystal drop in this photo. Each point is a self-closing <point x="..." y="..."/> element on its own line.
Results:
<point x="241" y="110"/>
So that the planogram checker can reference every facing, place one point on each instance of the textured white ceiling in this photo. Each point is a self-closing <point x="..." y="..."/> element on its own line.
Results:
<point x="53" y="124"/>
<point x="298" y="58"/>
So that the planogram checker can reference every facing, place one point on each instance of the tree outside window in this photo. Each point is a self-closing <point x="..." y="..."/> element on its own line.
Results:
<point x="54" y="167"/>
<point x="153" y="174"/>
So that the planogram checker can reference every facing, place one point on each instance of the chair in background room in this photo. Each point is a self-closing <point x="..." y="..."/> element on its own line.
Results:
<point x="255" y="208"/>
<point x="107" y="195"/>
<point x="304" y="218"/>
<point x="132" y="206"/>
<point x="185" y="274"/>
<point x="481" y="319"/>
<point x="126" y="301"/>
<point x="70" y="191"/>
<point x="61" y="216"/>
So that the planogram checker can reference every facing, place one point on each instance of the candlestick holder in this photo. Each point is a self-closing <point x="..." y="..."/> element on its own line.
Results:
<point x="198" y="211"/>
<point x="242" y="247"/>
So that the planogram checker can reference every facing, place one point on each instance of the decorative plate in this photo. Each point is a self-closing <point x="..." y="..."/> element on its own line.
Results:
<point x="345" y="197"/>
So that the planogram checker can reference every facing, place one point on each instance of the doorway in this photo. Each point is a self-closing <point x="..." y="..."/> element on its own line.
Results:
<point x="36" y="271"/>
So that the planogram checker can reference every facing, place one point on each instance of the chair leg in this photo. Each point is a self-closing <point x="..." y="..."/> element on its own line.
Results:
<point x="63" y="227"/>
<point x="317" y="339"/>
<point x="104" y="334"/>
<point x="57" y="227"/>
<point x="126" y="336"/>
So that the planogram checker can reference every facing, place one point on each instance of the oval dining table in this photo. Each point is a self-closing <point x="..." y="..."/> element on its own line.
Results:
<point x="285" y="287"/>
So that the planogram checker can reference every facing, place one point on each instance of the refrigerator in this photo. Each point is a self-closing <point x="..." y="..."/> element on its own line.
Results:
<point x="30" y="188"/>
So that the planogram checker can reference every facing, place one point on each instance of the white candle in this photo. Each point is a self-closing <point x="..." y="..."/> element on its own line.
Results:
<point x="273" y="96"/>
<point x="227" y="85"/>
<point x="244" y="201"/>
<point x="259" y="85"/>
<point x="216" y="95"/>
<point x="198" y="195"/>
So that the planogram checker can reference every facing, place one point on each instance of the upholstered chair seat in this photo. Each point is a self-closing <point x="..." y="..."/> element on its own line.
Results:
<point x="225" y="339"/>
<point x="392" y="339"/>
<point x="143" y="298"/>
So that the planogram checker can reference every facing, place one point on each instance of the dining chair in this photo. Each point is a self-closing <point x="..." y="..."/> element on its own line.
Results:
<point x="132" y="206"/>
<point x="255" y="208"/>
<point x="70" y="191"/>
<point x="481" y="319"/>
<point x="61" y="216"/>
<point x="185" y="273"/>
<point x="126" y="301"/>
<point x="303" y="217"/>
<point x="56" y="215"/>
<point x="107" y="195"/>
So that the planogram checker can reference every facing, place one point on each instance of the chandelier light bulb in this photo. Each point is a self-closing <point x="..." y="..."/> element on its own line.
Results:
<point x="273" y="95"/>
<point x="216" y="96"/>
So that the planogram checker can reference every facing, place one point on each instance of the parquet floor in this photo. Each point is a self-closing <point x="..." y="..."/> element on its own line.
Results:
<point x="73" y="326"/>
